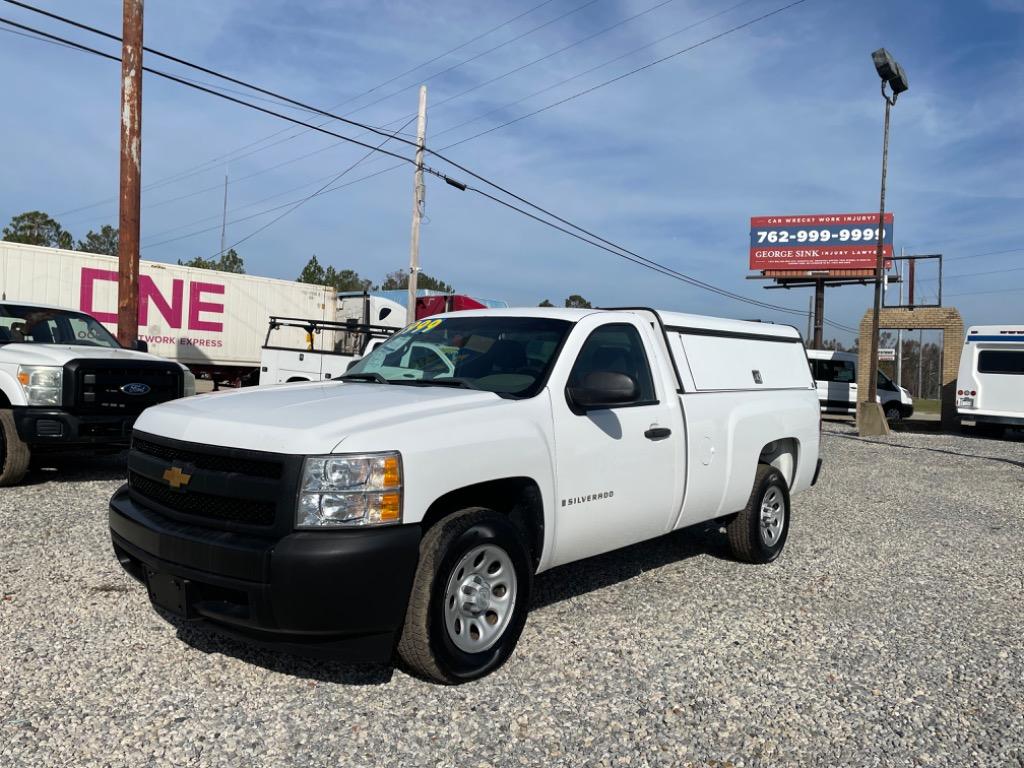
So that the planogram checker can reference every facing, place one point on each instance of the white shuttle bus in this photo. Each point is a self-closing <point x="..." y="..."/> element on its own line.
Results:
<point x="990" y="384"/>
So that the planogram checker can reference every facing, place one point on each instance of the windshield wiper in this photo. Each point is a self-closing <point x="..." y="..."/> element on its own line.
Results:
<point x="454" y="381"/>
<point x="376" y="378"/>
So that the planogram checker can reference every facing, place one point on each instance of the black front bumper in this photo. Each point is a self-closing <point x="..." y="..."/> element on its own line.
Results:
<point x="339" y="593"/>
<point x="59" y="428"/>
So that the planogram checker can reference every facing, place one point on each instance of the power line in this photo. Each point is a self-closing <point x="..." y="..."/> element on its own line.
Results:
<point x="434" y="152"/>
<point x="205" y="166"/>
<point x="587" y="71"/>
<point x="989" y="253"/>
<point x="618" y="250"/>
<point x="373" y="129"/>
<point x="434" y="108"/>
<point x="438" y="104"/>
<point x="981" y="293"/>
<point x="471" y="59"/>
<point x="267" y="210"/>
<point x="617" y="78"/>
<point x="212" y="92"/>
<point x="306" y="199"/>
<point x="642" y="261"/>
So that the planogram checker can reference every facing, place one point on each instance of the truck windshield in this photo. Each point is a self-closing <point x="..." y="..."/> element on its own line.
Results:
<point x="510" y="356"/>
<point x="41" y="325"/>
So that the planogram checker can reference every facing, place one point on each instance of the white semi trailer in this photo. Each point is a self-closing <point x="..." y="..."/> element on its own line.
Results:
<point x="213" y="322"/>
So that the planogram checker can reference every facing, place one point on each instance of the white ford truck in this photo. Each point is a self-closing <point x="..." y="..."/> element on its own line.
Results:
<point x="65" y="383"/>
<point x="405" y="509"/>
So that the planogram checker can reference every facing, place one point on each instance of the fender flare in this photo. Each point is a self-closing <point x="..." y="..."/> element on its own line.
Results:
<point x="11" y="389"/>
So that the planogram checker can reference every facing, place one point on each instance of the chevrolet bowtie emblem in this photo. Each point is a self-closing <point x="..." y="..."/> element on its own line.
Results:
<point x="176" y="478"/>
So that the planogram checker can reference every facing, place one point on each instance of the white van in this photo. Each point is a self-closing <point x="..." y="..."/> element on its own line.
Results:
<point x="835" y="373"/>
<point x="990" y="384"/>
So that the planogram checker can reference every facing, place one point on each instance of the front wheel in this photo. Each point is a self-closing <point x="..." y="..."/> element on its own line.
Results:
<point x="469" y="599"/>
<point x="759" y="532"/>
<point x="893" y="413"/>
<point x="14" y="453"/>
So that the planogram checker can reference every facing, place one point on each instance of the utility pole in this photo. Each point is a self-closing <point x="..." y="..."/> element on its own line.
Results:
<point x="921" y="364"/>
<point x="224" y="216"/>
<point x="418" y="200"/>
<point x="899" y="333"/>
<point x="131" y="172"/>
<point x="810" y="316"/>
<point x="819" y="314"/>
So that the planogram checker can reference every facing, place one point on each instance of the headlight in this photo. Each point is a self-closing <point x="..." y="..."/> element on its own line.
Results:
<point x="347" y="490"/>
<point x="43" y="384"/>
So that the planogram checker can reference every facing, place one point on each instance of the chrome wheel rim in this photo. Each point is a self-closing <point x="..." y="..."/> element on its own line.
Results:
<point x="773" y="515"/>
<point x="480" y="598"/>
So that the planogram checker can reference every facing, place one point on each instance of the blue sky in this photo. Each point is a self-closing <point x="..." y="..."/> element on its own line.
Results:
<point x="783" y="117"/>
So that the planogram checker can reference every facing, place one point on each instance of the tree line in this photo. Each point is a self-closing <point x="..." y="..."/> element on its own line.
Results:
<point x="39" y="228"/>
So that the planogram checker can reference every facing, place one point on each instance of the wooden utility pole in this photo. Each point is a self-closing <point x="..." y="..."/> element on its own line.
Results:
<point x="224" y="217"/>
<point x="418" y="199"/>
<point x="131" y="173"/>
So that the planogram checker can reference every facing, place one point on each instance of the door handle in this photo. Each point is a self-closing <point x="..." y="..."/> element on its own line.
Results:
<point x="657" y="433"/>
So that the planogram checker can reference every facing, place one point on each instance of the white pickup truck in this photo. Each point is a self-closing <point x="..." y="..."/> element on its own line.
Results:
<point x="66" y="384"/>
<point x="409" y="510"/>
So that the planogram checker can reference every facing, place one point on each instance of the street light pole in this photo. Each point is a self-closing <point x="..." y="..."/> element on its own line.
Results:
<point x="879" y="260"/>
<point x="870" y="417"/>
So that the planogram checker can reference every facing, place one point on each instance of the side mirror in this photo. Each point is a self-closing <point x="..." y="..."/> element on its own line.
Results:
<point x="141" y="345"/>
<point x="603" y="389"/>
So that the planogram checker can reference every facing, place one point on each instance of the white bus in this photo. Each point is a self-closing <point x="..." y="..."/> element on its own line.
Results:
<point x="990" y="384"/>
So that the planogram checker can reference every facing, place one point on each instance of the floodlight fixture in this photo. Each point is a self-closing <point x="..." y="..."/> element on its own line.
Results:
<point x="890" y="71"/>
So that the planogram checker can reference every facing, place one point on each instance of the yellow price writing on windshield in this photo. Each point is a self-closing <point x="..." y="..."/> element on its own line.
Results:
<point x="423" y="325"/>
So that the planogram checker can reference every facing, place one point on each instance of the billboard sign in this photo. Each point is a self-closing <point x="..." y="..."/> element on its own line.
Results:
<point x="835" y="241"/>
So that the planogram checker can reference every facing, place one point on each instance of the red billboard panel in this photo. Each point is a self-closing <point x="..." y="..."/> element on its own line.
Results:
<point x="819" y="242"/>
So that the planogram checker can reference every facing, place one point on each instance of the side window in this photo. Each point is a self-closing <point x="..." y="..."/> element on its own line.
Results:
<point x="615" y="348"/>
<point x="839" y="371"/>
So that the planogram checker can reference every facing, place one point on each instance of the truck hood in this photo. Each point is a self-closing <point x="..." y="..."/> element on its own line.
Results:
<point x="303" y="418"/>
<point x="58" y="354"/>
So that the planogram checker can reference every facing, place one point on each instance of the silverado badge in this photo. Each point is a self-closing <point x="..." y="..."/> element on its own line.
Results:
<point x="176" y="478"/>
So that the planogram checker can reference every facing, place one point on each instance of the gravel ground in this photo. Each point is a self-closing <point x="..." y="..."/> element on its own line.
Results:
<point x="890" y="633"/>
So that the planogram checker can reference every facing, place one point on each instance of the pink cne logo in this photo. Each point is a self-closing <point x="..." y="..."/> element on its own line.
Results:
<point x="172" y="309"/>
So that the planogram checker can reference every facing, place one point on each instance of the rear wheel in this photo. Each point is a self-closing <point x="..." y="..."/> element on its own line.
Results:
<point x="14" y="454"/>
<point x="759" y="532"/>
<point x="469" y="599"/>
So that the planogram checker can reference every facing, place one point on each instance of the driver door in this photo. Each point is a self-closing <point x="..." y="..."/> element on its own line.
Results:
<point x="616" y="467"/>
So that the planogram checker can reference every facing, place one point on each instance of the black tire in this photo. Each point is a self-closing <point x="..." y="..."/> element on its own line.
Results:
<point x="893" y="413"/>
<point x="426" y="645"/>
<point x="14" y="454"/>
<point x="747" y="538"/>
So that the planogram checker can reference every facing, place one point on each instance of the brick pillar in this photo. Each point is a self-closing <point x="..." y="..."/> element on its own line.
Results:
<point x="945" y="319"/>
